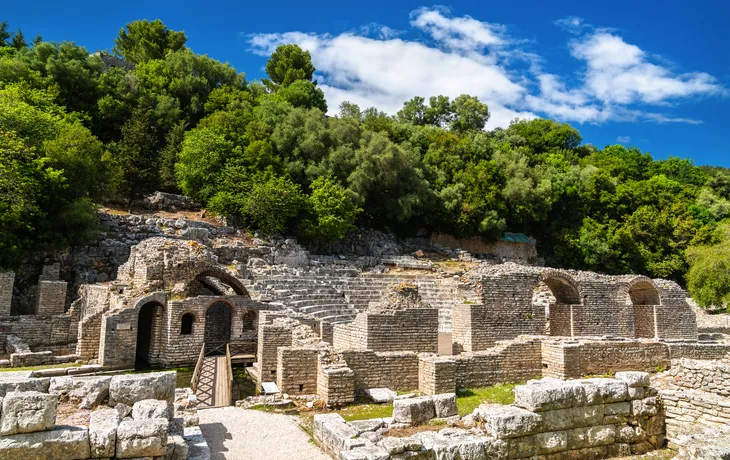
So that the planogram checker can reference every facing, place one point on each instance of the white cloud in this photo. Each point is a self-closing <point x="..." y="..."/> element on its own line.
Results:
<point x="623" y="139"/>
<point x="377" y="66"/>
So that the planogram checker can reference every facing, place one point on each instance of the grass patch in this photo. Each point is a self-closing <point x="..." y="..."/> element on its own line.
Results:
<point x="366" y="411"/>
<point x="469" y="399"/>
<point x="182" y="377"/>
<point x="38" y="368"/>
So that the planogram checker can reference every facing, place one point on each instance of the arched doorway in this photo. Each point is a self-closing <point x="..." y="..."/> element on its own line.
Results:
<point x="644" y="298"/>
<point x="218" y="319"/>
<point x="149" y="339"/>
<point x="556" y="296"/>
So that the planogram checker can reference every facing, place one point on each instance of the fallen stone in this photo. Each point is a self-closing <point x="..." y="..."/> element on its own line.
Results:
<point x="103" y="432"/>
<point x="151" y="408"/>
<point x="142" y="438"/>
<point x="28" y="412"/>
<point x="63" y="442"/>
<point x="445" y="405"/>
<point x="508" y="421"/>
<point x="87" y="391"/>
<point x="128" y="389"/>
<point x="413" y="411"/>
<point x="380" y="395"/>
<point x="604" y="391"/>
<point x="21" y="381"/>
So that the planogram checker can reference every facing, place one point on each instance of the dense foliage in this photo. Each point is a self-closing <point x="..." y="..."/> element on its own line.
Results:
<point x="79" y="128"/>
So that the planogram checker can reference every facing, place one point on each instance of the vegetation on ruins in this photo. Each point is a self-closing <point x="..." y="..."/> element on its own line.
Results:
<point x="78" y="129"/>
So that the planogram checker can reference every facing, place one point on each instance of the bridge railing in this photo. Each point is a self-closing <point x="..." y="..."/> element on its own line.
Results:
<point x="198" y="369"/>
<point x="229" y="371"/>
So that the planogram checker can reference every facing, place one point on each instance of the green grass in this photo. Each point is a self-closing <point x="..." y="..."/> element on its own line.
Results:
<point x="38" y="368"/>
<point x="469" y="399"/>
<point x="366" y="411"/>
<point x="182" y="377"/>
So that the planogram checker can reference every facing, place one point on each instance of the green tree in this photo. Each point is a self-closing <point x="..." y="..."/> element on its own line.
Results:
<point x="287" y="64"/>
<point x="18" y="41"/>
<point x="303" y="93"/>
<point x="273" y="203"/>
<point x="470" y="114"/>
<point x="5" y="36"/>
<point x="333" y="209"/>
<point x="708" y="278"/>
<point x="136" y="159"/>
<point x="145" y="40"/>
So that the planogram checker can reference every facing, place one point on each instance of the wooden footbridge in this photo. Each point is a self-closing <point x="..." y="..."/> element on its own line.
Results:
<point x="212" y="379"/>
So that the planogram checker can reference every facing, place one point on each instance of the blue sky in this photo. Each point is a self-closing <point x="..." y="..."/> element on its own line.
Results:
<point x="651" y="74"/>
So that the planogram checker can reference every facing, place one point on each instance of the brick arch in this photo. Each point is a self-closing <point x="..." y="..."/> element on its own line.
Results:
<point x="641" y="290"/>
<point x="226" y="278"/>
<point x="158" y="297"/>
<point x="563" y="286"/>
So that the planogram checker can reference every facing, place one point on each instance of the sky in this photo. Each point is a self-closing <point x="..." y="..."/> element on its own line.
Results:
<point x="650" y="74"/>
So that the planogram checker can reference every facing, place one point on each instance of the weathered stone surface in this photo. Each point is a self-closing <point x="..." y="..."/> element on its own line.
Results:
<point x="644" y="407"/>
<point x="362" y="426"/>
<point x="103" y="432"/>
<point x="151" y="408"/>
<point x="414" y="411"/>
<point x="563" y="419"/>
<point x="602" y="391"/>
<point x="197" y="446"/>
<point x="20" y="381"/>
<point x="634" y="379"/>
<point x="445" y="405"/>
<point x="87" y="391"/>
<point x="177" y="448"/>
<point x="548" y="394"/>
<point x="508" y="421"/>
<point x="400" y="445"/>
<point x="365" y="453"/>
<point x="128" y="389"/>
<point x="142" y="438"/>
<point x="63" y="442"/>
<point x="28" y="412"/>
<point x="380" y="395"/>
<point x="551" y="441"/>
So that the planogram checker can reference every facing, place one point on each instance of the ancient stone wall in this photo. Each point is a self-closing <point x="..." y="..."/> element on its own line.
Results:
<point x="7" y="280"/>
<point x="595" y="357"/>
<point x="271" y="337"/>
<point x="296" y="370"/>
<point x="394" y="370"/>
<point x="40" y="332"/>
<point x="335" y="384"/>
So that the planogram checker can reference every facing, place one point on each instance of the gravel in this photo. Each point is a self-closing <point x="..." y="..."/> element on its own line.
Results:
<point x="240" y="434"/>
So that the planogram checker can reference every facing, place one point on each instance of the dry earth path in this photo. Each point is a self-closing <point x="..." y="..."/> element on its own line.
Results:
<point x="237" y="434"/>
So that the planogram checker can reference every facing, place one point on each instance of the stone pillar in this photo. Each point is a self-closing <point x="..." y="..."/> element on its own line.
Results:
<point x="6" y="292"/>
<point x="436" y="375"/>
<point x="51" y="298"/>
<point x="271" y="337"/>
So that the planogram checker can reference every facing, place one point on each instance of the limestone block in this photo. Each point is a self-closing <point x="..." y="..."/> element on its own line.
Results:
<point x="445" y="405"/>
<point x="63" y="442"/>
<point x="28" y="412"/>
<point x="630" y="434"/>
<point x="151" y="408"/>
<point x="563" y="419"/>
<point x="142" y="438"/>
<point x="548" y="394"/>
<point x="20" y="381"/>
<point x="508" y="421"/>
<point x="634" y="379"/>
<point x="128" y="389"/>
<point x="594" y="436"/>
<point x="400" y="445"/>
<point x="413" y="411"/>
<point x="637" y="392"/>
<point x="551" y="441"/>
<point x="365" y="453"/>
<point x="363" y="426"/>
<point x="380" y="395"/>
<point x="646" y="407"/>
<point x="602" y="391"/>
<point x="521" y="447"/>
<point x="177" y="448"/>
<point x="103" y="432"/>
<point x="87" y="391"/>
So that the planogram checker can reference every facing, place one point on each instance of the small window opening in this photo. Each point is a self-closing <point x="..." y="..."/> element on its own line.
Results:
<point x="186" y="325"/>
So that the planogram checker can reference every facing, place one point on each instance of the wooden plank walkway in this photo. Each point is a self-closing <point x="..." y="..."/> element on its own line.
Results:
<point x="213" y="389"/>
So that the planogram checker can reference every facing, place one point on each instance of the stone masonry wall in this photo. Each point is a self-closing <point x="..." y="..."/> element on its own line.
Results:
<point x="271" y="337"/>
<point x="414" y="329"/>
<point x="296" y="370"/>
<point x="394" y="370"/>
<point x="51" y="297"/>
<point x="7" y="280"/>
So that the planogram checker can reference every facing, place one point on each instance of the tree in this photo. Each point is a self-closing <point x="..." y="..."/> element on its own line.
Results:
<point x="288" y="64"/>
<point x="303" y="93"/>
<point x="273" y="203"/>
<point x="708" y="278"/>
<point x="18" y="41"/>
<point x="4" y="34"/>
<point x="333" y="209"/>
<point x="144" y="40"/>
<point x="136" y="158"/>
<point x="469" y="114"/>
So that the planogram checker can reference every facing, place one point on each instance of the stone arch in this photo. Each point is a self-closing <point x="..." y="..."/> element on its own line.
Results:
<point x="563" y="286"/>
<point x="557" y="304"/>
<point x="641" y="297"/>
<point x="225" y="278"/>
<point x="218" y="324"/>
<point x="150" y="334"/>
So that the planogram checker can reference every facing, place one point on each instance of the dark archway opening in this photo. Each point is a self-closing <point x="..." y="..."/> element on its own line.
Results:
<point x="218" y="319"/>
<point x="146" y="334"/>
<point x="186" y="324"/>
<point x="644" y="298"/>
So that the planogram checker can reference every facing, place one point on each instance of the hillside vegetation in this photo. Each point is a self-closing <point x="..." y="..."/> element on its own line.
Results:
<point x="78" y="129"/>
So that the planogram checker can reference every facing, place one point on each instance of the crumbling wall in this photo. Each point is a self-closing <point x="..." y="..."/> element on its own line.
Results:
<point x="296" y="370"/>
<point x="394" y="370"/>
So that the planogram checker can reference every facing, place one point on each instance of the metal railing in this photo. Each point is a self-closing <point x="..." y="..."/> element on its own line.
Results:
<point x="198" y="369"/>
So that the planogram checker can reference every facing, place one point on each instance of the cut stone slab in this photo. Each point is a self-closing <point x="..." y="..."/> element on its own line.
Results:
<point x="634" y="379"/>
<point x="549" y="394"/>
<point x="197" y="445"/>
<point x="103" y="432"/>
<point x="151" y="408"/>
<point x="142" y="438"/>
<point x="130" y="388"/>
<point x="604" y="391"/>
<point x="445" y="405"/>
<point x="28" y="412"/>
<point x="21" y="381"/>
<point x="508" y="421"/>
<point x="380" y="395"/>
<point x="63" y="442"/>
<point x="414" y="411"/>
<point x="87" y="391"/>
<point x="363" y="426"/>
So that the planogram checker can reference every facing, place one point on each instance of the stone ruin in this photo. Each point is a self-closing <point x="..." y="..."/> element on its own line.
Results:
<point x="336" y="328"/>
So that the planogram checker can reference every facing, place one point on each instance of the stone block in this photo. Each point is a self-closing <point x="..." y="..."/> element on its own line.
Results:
<point x="603" y="391"/>
<point x="380" y="395"/>
<point x="646" y="407"/>
<point x="521" y="447"/>
<point x="103" y="432"/>
<point x="634" y="379"/>
<point x="445" y="405"/>
<point x="28" y="412"/>
<point x="87" y="391"/>
<point x="551" y="442"/>
<point x="21" y="381"/>
<point x="128" y="389"/>
<point x="549" y="394"/>
<point x="400" y="445"/>
<point x="414" y="411"/>
<point x="574" y="417"/>
<point x="177" y="448"/>
<point x="508" y="421"/>
<point x="63" y="442"/>
<point x="151" y="408"/>
<point x="364" y="426"/>
<point x="637" y="392"/>
<point x="365" y="453"/>
<point x="142" y="438"/>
